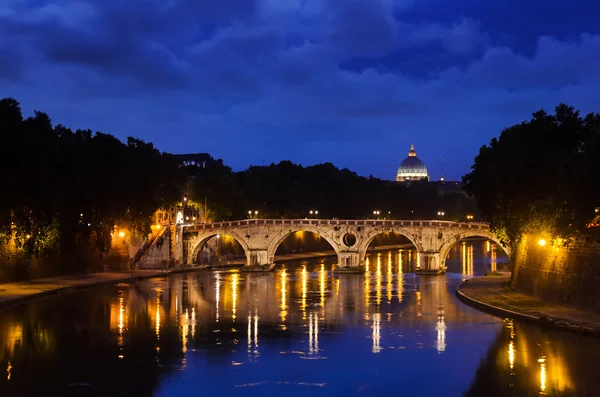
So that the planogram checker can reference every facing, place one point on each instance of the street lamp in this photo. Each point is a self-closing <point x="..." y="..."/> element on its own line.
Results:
<point x="441" y="213"/>
<point x="313" y="213"/>
<point x="469" y="217"/>
<point x="376" y="213"/>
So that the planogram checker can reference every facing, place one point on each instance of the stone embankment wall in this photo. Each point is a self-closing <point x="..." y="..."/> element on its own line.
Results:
<point x="157" y="255"/>
<point x="557" y="273"/>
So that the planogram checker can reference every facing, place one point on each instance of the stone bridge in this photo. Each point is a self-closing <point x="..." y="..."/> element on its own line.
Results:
<point x="350" y="239"/>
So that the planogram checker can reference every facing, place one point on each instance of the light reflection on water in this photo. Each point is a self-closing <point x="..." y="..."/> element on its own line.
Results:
<point x="297" y="330"/>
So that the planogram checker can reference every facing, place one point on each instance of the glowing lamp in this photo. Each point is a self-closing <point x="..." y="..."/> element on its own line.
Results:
<point x="542" y="242"/>
<point x="121" y="234"/>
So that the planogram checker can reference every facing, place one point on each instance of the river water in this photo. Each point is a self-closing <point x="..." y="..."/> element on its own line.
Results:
<point x="297" y="331"/>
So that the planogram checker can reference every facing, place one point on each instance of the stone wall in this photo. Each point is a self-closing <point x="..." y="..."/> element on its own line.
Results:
<point x="157" y="255"/>
<point x="565" y="274"/>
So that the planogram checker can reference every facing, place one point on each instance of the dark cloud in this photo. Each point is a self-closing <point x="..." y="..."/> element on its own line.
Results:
<point x="362" y="27"/>
<point x="12" y="66"/>
<point x="309" y="80"/>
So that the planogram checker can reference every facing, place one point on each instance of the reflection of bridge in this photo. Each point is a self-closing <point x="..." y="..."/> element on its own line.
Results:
<point x="350" y="239"/>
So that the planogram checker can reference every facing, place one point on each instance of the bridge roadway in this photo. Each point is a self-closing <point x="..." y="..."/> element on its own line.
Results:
<point x="350" y="239"/>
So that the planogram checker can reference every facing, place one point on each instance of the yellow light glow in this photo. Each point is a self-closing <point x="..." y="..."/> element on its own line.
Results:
<point x="193" y="322"/>
<point x="283" y="312"/>
<point x="542" y="242"/>
<point x="367" y="286"/>
<point x="121" y="234"/>
<point x="304" y="292"/>
<point x="8" y="371"/>
<point x="218" y="295"/>
<point x="378" y="278"/>
<point x="399" y="278"/>
<point x="542" y="362"/>
<point x="389" y="278"/>
<point x="185" y="323"/>
<point x="234" y="286"/>
<point x="511" y="354"/>
<point x="121" y="320"/>
<point x="322" y="284"/>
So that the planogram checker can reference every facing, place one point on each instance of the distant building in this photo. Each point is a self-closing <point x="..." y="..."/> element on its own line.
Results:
<point x="412" y="168"/>
<point x="193" y="159"/>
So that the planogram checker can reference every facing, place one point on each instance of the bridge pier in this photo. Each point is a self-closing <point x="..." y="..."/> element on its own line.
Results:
<point x="257" y="260"/>
<point x="430" y="263"/>
<point x="349" y="262"/>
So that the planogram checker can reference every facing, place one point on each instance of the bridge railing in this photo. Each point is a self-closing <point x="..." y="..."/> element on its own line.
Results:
<point x="336" y="222"/>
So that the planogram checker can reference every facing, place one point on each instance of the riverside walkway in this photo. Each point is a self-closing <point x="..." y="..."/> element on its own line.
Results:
<point x="11" y="293"/>
<point x="494" y="295"/>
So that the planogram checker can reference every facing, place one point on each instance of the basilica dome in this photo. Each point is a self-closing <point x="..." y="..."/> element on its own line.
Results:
<point x="412" y="169"/>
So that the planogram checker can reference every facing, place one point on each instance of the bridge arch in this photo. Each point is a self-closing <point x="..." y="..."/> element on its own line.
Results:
<point x="197" y="243"/>
<point x="452" y="241"/>
<point x="281" y="236"/>
<point x="368" y="239"/>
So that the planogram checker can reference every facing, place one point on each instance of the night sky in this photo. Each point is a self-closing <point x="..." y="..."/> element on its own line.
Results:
<point x="352" y="82"/>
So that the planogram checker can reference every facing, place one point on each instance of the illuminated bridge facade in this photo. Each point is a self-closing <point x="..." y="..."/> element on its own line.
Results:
<point x="350" y="239"/>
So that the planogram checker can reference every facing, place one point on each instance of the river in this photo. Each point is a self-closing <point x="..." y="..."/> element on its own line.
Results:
<point x="297" y="331"/>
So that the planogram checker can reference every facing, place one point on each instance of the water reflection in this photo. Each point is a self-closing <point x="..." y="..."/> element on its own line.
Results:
<point x="164" y="337"/>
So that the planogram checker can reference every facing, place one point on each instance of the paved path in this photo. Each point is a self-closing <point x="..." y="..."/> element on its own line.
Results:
<point x="17" y="292"/>
<point x="494" y="295"/>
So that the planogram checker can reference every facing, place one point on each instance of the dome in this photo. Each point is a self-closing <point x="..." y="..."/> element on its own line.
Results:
<point x="412" y="169"/>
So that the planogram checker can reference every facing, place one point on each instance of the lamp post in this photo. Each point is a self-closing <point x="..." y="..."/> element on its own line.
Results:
<point x="376" y="213"/>
<point x="469" y="218"/>
<point x="441" y="214"/>
<point x="313" y="214"/>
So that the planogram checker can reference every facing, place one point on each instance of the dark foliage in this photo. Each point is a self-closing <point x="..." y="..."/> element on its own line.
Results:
<point x="288" y="190"/>
<point x="64" y="188"/>
<point x="540" y="176"/>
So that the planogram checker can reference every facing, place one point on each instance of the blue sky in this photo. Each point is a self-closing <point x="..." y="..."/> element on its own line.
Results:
<point x="353" y="82"/>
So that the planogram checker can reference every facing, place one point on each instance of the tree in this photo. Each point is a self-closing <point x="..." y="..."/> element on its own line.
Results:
<point x="536" y="177"/>
<point x="68" y="189"/>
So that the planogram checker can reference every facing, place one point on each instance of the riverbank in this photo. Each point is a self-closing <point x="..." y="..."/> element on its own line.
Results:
<point x="494" y="295"/>
<point x="12" y="293"/>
